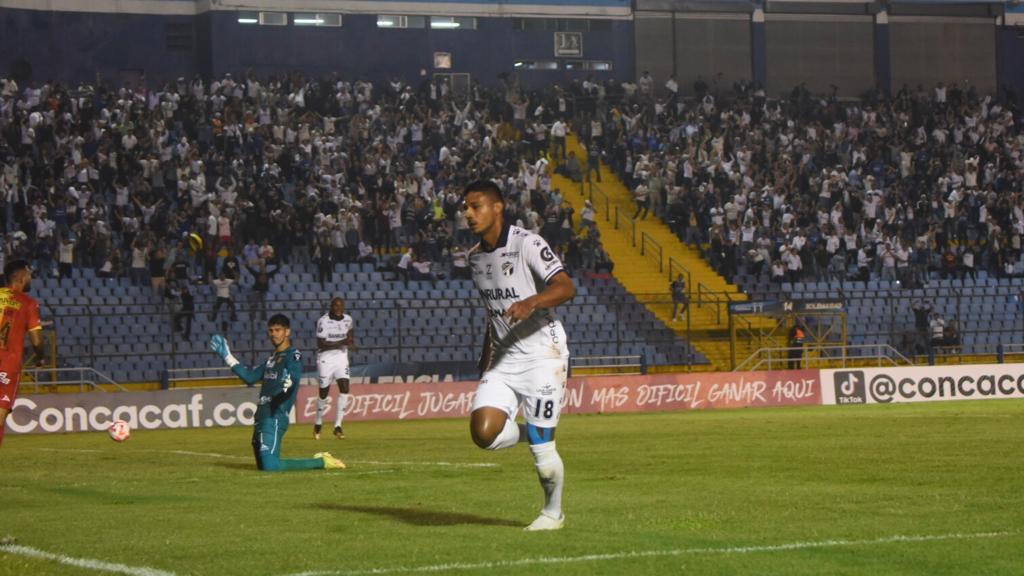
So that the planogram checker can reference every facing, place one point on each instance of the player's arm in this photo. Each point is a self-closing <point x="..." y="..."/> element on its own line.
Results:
<point x="350" y="339"/>
<point x="560" y="289"/>
<point x="248" y="375"/>
<point x="38" y="350"/>
<point x="35" y="334"/>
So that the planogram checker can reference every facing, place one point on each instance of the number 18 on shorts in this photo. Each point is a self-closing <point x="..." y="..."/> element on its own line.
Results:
<point x="537" y="386"/>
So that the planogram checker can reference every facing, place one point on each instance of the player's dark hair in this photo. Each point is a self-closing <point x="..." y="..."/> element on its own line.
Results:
<point x="15" y="266"/>
<point x="279" y="320"/>
<point x="487" y="187"/>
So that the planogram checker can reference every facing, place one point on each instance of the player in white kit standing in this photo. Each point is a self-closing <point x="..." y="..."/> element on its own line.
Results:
<point x="334" y="336"/>
<point x="525" y="359"/>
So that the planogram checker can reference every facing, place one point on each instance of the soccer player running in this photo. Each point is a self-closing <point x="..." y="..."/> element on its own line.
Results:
<point x="280" y="375"/>
<point x="525" y="357"/>
<point x="19" y="313"/>
<point x="334" y="336"/>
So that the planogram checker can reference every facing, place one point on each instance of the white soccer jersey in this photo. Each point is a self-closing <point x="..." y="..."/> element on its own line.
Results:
<point x="519" y="267"/>
<point x="333" y="330"/>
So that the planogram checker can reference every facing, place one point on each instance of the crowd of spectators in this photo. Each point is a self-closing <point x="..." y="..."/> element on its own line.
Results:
<point x="926" y="183"/>
<point x="196" y="182"/>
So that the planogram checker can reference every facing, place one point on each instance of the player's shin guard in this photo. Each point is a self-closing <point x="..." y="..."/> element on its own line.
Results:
<point x="509" y="436"/>
<point x="321" y="408"/>
<point x="342" y="404"/>
<point x="551" y="472"/>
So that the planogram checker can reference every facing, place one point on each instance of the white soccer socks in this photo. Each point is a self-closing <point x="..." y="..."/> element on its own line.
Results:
<point x="342" y="404"/>
<point x="551" y="473"/>
<point x="321" y="408"/>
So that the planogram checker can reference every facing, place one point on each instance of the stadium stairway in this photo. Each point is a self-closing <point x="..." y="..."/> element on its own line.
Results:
<point x="648" y="256"/>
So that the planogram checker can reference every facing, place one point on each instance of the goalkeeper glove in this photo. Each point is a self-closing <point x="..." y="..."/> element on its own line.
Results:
<point x="220" y="345"/>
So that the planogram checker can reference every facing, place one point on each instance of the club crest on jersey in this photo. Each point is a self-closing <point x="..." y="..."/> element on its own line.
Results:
<point x="506" y="269"/>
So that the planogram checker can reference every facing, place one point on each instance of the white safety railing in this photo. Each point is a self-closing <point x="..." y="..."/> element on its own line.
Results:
<point x="595" y="365"/>
<point x="174" y="375"/>
<point x="84" y="377"/>
<point x="780" y="358"/>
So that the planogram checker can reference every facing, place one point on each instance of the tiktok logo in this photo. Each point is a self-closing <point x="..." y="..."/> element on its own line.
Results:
<point x="850" y="387"/>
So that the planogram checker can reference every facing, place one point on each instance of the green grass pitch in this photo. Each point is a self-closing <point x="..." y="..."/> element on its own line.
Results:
<point x="925" y="489"/>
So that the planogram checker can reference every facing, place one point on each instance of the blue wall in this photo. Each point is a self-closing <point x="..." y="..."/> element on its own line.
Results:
<point x="76" y="46"/>
<point x="1010" y="63"/>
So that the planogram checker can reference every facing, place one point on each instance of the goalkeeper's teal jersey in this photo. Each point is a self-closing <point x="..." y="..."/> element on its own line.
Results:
<point x="280" y="375"/>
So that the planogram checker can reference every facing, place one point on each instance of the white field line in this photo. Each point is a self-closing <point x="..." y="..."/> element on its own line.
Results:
<point x="87" y="563"/>
<point x="544" y="560"/>
<point x="233" y="457"/>
<point x="414" y="463"/>
<point x="206" y="454"/>
<point x="370" y="462"/>
<point x="338" y="473"/>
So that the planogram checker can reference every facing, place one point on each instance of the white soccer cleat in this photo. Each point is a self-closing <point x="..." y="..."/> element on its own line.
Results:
<point x="545" y="522"/>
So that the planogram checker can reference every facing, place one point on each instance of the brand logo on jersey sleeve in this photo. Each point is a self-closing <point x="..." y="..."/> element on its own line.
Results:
<point x="546" y="255"/>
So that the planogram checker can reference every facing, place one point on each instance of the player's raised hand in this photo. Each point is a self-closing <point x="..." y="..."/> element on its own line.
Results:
<point x="219" y="345"/>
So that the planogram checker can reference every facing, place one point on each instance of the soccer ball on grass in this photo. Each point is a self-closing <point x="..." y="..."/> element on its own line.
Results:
<point x="120" y="431"/>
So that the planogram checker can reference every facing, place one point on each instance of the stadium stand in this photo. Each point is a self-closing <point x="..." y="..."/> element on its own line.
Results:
<point x="415" y="322"/>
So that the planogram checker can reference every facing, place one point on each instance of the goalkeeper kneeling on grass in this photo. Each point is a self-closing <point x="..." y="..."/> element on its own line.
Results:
<point x="280" y="375"/>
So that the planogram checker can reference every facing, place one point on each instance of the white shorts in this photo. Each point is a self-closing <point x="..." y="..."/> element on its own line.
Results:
<point x="332" y="367"/>
<point x="538" y="387"/>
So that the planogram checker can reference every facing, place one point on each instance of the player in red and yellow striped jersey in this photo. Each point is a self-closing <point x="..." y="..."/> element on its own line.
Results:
<point x="19" y="313"/>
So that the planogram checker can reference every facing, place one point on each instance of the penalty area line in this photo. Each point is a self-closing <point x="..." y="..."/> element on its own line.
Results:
<point x="8" y="547"/>
<point x="550" y="560"/>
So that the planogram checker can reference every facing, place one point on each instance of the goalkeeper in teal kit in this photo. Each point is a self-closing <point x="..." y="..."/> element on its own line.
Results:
<point x="280" y="375"/>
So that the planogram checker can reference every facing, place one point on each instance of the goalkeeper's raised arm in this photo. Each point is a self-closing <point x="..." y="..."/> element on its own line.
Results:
<point x="250" y="376"/>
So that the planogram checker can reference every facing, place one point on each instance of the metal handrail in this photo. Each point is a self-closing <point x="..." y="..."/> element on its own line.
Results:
<point x="706" y="295"/>
<point x="1013" y="348"/>
<point x="602" y="199"/>
<point x="620" y="362"/>
<point x="781" y="354"/>
<point x="170" y="374"/>
<point x="624" y="222"/>
<point x="82" y="381"/>
<point x="647" y="242"/>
